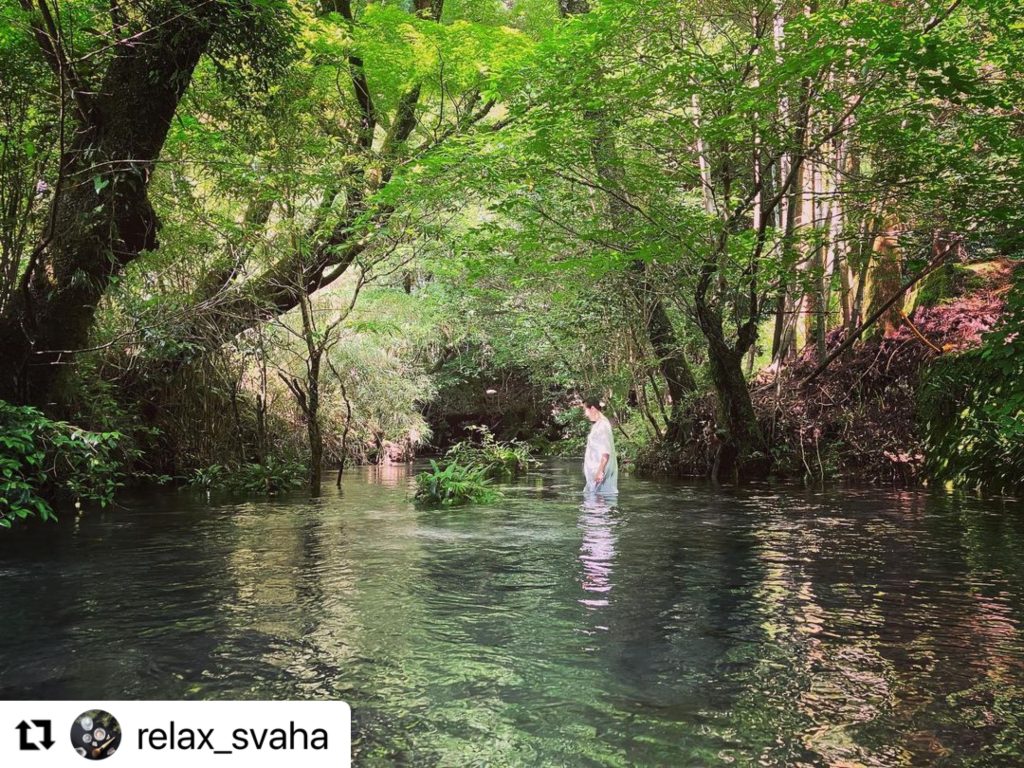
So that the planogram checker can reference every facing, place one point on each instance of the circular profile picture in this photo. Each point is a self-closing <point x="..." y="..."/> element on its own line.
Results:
<point x="95" y="734"/>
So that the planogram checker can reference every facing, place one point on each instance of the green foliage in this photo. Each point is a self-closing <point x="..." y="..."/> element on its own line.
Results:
<point x="400" y="49"/>
<point x="454" y="484"/>
<point x="27" y="133"/>
<point x="496" y="459"/>
<point x="487" y="239"/>
<point x="208" y="478"/>
<point x="42" y="459"/>
<point x="469" y="467"/>
<point x="972" y="408"/>
<point x="272" y="476"/>
<point x="255" y="45"/>
<point x="380" y="364"/>
<point x="575" y="429"/>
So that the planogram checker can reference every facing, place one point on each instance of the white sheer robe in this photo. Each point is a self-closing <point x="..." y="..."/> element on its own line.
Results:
<point x="600" y="442"/>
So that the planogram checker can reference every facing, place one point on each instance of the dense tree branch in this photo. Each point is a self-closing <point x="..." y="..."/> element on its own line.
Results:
<point x="50" y="41"/>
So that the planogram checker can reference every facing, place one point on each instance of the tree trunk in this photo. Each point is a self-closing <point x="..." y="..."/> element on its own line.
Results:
<point x="316" y="346"/>
<point x="780" y="171"/>
<point x="791" y="309"/>
<point x="316" y="439"/>
<point x="742" y="451"/>
<point x="102" y="218"/>
<point x="886" y="275"/>
<point x="821" y="268"/>
<point x="864" y="260"/>
<point x="707" y="187"/>
<point x="671" y="362"/>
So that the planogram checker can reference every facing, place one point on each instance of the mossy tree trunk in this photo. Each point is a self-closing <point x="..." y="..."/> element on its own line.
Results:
<point x="101" y="218"/>
<point x="743" y="453"/>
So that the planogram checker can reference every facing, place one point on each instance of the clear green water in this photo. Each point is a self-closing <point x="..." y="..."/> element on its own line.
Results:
<point x="683" y="626"/>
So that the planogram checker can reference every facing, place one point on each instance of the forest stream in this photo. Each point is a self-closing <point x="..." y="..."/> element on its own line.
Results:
<point x="682" y="625"/>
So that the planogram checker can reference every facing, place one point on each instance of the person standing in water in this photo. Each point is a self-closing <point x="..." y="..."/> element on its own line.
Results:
<point x="600" y="464"/>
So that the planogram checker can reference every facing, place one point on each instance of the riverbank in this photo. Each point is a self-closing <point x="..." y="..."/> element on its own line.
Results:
<point x="937" y="396"/>
<point x="863" y="418"/>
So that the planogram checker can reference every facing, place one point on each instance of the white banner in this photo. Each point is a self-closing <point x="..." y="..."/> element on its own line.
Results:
<point x="187" y="734"/>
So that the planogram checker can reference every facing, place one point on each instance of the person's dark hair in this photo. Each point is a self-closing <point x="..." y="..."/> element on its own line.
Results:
<point x="593" y="402"/>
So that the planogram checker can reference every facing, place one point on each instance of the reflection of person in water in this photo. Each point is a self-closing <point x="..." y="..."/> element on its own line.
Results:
<point x="95" y="734"/>
<point x="597" y="550"/>
<point x="600" y="464"/>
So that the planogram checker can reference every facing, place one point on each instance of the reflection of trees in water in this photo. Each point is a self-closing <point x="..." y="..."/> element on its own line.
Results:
<point x="323" y="607"/>
<point x="979" y="713"/>
<point x="782" y="628"/>
<point x="290" y="615"/>
<point x="816" y="679"/>
<point x="883" y="633"/>
<point x="803" y="633"/>
<point x="388" y="475"/>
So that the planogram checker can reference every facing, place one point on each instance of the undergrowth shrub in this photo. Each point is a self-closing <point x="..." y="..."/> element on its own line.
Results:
<point x="971" y="407"/>
<point x="454" y="484"/>
<point x="468" y="469"/>
<point x="42" y="461"/>
<point x="271" y="476"/>
<point x="496" y="458"/>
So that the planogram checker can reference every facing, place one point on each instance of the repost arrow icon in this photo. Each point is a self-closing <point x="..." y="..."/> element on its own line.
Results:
<point x="25" y="744"/>
<point x="47" y="742"/>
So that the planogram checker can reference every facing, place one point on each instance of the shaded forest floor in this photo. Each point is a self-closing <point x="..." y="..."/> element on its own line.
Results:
<point x="858" y="419"/>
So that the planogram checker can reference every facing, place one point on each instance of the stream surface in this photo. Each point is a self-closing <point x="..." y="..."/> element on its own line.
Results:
<point x="682" y="626"/>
